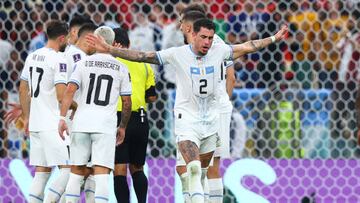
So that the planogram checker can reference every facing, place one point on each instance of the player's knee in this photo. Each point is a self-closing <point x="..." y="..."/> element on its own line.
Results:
<point x="194" y="168"/>
<point x="181" y="170"/>
<point x="120" y="170"/>
<point x="135" y="168"/>
<point x="213" y="172"/>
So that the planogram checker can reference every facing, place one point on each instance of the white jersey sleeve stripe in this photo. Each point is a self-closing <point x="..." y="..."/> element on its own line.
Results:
<point x="125" y="93"/>
<point x="24" y="78"/>
<point x="59" y="82"/>
<point x="159" y="58"/>
<point x="75" y="82"/>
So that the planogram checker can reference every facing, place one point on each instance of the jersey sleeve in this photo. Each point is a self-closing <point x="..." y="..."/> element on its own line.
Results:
<point x="60" y="67"/>
<point x="150" y="82"/>
<point x="226" y="51"/>
<point x="25" y="70"/>
<point x="166" y="56"/>
<point x="76" y="75"/>
<point x="125" y="83"/>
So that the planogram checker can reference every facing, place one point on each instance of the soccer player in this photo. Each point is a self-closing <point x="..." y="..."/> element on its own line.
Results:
<point x="132" y="152"/>
<point x="198" y="75"/>
<point x="73" y="54"/>
<point x="227" y="80"/>
<point x="42" y="85"/>
<point x="101" y="78"/>
<point x="75" y="24"/>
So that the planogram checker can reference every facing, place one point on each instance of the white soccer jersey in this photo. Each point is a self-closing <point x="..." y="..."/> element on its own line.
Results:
<point x="43" y="69"/>
<point x="73" y="55"/>
<point x="101" y="78"/>
<point x="197" y="80"/>
<point x="225" y="105"/>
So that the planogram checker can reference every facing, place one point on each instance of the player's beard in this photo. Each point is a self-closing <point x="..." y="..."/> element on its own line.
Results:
<point x="62" y="48"/>
<point x="185" y="39"/>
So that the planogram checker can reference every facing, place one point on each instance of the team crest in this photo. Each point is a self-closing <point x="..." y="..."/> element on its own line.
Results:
<point x="76" y="57"/>
<point x="62" y="67"/>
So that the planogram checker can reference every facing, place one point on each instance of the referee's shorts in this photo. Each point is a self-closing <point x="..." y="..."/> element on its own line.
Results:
<point x="133" y="149"/>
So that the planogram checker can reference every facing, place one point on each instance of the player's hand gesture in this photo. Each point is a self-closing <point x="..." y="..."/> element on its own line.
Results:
<point x="98" y="43"/>
<point x="63" y="128"/>
<point x="120" y="136"/>
<point x="281" y="34"/>
<point x="12" y="115"/>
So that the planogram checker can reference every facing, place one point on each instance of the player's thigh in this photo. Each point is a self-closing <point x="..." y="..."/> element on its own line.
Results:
<point x="138" y="141"/>
<point x="188" y="146"/>
<point x="103" y="149"/>
<point x="37" y="153"/>
<point x="56" y="151"/>
<point x="223" y="144"/>
<point x="207" y="147"/>
<point x="80" y="148"/>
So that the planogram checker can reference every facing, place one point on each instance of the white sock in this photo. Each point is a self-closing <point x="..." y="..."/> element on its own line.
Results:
<point x="36" y="193"/>
<point x="185" y="187"/>
<point x="216" y="190"/>
<point x="101" y="188"/>
<point x="89" y="189"/>
<point x="195" y="187"/>
<point x="57" y="188"/>
<point x="205" y="184"/>
<point x="72" y="191"/>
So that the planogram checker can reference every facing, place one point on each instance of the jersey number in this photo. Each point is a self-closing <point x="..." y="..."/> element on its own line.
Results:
<point x="99" y="80"/>
<point x="203" y="84"/>
<point x="37" y="90"/>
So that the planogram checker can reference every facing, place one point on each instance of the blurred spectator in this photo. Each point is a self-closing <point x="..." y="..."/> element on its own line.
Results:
<point x="142" y="37"/>
<point x="6" y="48"/>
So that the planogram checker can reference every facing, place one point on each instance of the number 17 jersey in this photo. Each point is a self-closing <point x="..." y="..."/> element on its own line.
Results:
<point x="101" y="79"/>
<point x="43" y="70"/>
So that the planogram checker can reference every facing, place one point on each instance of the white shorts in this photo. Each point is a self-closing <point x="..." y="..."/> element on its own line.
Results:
<point x="205" y="145"/>
<point x="100" y="146"/>
<point x="48" y="149"/>
<point x="223" y="144"/>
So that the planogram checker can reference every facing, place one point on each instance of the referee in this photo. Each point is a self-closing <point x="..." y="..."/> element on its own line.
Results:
<point x="131" y="153"/>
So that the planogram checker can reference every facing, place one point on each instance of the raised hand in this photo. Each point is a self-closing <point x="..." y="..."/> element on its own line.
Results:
<point x="281" y="34"/>
<point x="98" y="43"/>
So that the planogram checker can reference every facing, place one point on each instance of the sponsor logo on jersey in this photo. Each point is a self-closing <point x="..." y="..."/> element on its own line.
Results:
<point x="76" y="57"/>
<point x="62" y="67"/>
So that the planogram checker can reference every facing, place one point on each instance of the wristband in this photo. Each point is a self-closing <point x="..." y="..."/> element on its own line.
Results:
<point x="273" y="39"/>
<point x="63" y="118"/>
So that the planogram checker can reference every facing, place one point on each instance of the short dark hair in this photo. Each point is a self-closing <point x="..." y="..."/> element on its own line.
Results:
<point x="205" y="23"/>
<point x="122" y="37"/>
<point x="88" y="27"/>
<point x="79" y="21"/>
<point x="194" y="7"/>
<point x="56" y="28"/>
<point x="193" y="16"/>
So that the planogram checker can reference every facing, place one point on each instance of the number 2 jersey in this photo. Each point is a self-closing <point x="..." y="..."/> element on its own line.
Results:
<point x="101" y="79"/>
<point x="197" y="80"/>
<point x="43" y="70"/>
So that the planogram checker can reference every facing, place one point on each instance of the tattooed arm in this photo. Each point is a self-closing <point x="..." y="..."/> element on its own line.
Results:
<point x="101" y="46"/>
<point x="255" y="45"/>
<point x="125" y="117"/>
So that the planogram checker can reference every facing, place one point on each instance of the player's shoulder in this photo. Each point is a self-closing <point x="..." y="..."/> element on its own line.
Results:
<point x="217" y="40"/>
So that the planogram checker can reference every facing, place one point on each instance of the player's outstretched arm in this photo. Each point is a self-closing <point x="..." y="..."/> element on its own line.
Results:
<point x="255" y="45"/>
<point x="100" y="45"/>
<point x="24" y="97"/>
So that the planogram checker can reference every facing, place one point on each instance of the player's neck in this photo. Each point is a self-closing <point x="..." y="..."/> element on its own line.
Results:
<point x="53" y="45"/>
<point x="195" y="50"/>
<point x="82" y="46"/>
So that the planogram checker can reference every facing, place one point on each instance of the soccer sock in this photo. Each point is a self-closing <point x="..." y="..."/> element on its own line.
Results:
<point x="140" y="184"/>
<point x="72" y="191"/>
<point x="195" y="187"/>
<point x="89" y="189"/>
<point x="101" y="188"/>
<point x="205" y="184"/>
<point x="57" y="187"/>
<point x="121" y="189"/>
<point x="216" y="190"/>
<point x="185" y="187"/>
<point x="36" y="193"/>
